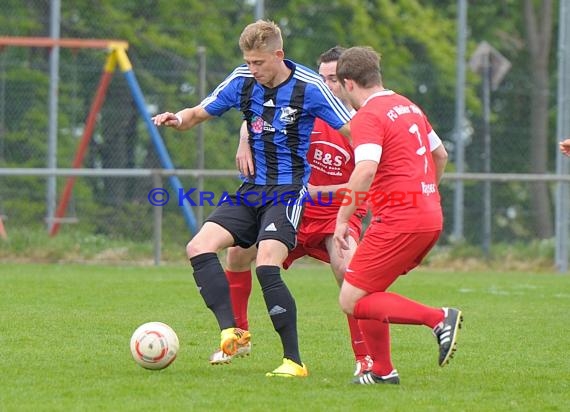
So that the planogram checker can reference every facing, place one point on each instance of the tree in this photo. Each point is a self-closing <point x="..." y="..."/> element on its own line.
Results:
<point x="416" y="38"/>
<point x="539" y="28"/>
<point x="520" y="119"/>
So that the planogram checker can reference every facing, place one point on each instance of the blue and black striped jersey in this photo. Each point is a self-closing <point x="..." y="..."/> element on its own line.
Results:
<point x="279" y="120"/>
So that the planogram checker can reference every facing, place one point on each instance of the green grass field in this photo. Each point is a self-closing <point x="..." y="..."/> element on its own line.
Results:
<point x="65" y="330"/>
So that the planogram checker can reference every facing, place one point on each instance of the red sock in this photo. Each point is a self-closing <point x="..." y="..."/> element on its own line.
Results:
<point x="377" y="336"/>
<point x="240" y="289"/>
<point x="392" y="308"/>
<point x="376" y="311"/>
<point x="356" y="339"/>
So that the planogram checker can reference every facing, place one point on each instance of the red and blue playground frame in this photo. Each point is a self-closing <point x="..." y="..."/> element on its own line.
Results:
<point x="117" y="56"/>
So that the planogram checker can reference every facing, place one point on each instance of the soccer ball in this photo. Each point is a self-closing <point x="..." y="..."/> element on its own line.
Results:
<point x="154" y="345"/>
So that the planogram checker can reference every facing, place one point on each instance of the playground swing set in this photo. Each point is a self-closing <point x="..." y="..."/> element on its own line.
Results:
<point x="116" y="58"/>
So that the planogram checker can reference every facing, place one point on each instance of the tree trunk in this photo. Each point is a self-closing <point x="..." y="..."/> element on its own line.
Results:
<point x="538" y="34"/>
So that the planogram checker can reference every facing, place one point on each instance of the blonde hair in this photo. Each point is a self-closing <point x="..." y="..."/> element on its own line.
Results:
<point x="262" y="35"/>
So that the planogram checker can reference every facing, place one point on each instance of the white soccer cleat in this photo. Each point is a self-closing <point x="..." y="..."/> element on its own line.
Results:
<point x="220" y="358"/>
<point x="363" y="365"/>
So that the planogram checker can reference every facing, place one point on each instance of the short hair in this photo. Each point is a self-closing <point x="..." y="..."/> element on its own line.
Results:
<point x="262" y="35"/>
<point x="361" y="64"/>
<point x="331" y="55"/>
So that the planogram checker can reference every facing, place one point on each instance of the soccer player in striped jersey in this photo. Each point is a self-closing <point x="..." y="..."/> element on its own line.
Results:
<point x="279" y="100"/>
<point x="332" y="161"/>
<point x="399" y="163"/>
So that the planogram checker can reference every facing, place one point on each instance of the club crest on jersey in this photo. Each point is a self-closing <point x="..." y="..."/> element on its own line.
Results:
<point x="288" y="115"/>
<point x="257" y="124"/>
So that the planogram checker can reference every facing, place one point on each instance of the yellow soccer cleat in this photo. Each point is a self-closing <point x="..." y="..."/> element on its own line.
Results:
<point x="232" y="338"/>
<point x="289" y="369"/>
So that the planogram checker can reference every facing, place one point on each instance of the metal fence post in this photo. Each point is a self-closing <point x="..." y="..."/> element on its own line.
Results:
<point x="487" y="238"/>
<point x="459" y="138"/>
<point x="157" y="222"/>
<point x="563" y="132"/>
<point x="51" y="190"/>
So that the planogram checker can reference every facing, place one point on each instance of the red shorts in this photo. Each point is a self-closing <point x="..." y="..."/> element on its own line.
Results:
<point x="381" y="257"/>
<point x="311" y="238"/>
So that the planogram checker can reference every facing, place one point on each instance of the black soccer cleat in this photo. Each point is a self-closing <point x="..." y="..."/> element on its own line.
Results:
<point x="446" y="334"/>
<point x="369" y="378"/>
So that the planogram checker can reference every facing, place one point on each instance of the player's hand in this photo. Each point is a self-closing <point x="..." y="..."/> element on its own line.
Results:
<point x="340" y="238"/>
<point x="166" y="119"/>
<point x="565" y="147"/>
<point x="244" y="158"/>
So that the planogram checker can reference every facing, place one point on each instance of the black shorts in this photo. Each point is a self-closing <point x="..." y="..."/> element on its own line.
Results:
<point x="257" y="212"/>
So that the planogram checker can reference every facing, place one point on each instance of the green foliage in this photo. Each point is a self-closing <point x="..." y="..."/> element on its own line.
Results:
<point x="34" y="244"/>
<point x="103" y="240"/>
<point x="540" y="251"/>
<point x="23" y="200"/>
<point x="536" y="255"/>
<point x="417" y="40"/>
<point x="29" y="18"/>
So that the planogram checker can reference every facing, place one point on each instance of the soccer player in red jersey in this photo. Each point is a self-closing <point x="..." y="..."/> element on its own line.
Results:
<point x="332" y="161"/>
<point x="399" y="163"/>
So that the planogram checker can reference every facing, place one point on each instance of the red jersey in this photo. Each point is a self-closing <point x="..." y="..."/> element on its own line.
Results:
<point x="404" y="193"/>
<point x="331" y="158"/>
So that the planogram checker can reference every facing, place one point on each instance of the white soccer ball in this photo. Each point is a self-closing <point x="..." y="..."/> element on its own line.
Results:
<point x="154" y="345"/>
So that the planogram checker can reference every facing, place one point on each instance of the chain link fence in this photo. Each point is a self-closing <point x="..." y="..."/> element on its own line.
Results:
<point x="118" y="207"/>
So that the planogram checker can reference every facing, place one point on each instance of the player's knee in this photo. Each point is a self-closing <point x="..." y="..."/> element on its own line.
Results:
<point x="271" y="252"/>
<point x="196" y="247"/>
<point x="191" y="250"/>
<point x="239" y="259"/>
<point x="346" y="304"/>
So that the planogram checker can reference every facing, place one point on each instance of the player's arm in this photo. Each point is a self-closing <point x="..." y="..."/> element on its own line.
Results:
<point x="184" y="119"/>
<point x="345" y="130"/>
<point x="367" y="157"/>
<point x="244" y="158"/>
<point x="440" y="160"/>
<point x="438" y="153"/>
<point x="565" y="147"/>
<point x="332" y="111"/>
<point x="359" y="182"/>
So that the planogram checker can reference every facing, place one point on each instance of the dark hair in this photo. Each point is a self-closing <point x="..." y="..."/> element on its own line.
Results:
<point x="361" y="64"/>
<point x="331" y="55"/>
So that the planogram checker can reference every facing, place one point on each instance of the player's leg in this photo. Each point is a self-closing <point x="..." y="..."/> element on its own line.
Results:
<point x="238" y="273"/>
<point x="374" y="331"/>
<point x="380" y="259"/>
<point x="208" y="272"/>
<point x="280" y="305"/>
<point x="226" y="226"/>
<point x="363" y="361"/>
<point x="277" y="237"/>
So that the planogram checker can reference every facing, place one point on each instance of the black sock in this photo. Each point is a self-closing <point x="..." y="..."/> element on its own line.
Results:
<point x="213" y="286"/>
<point x="282" y="309"/>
